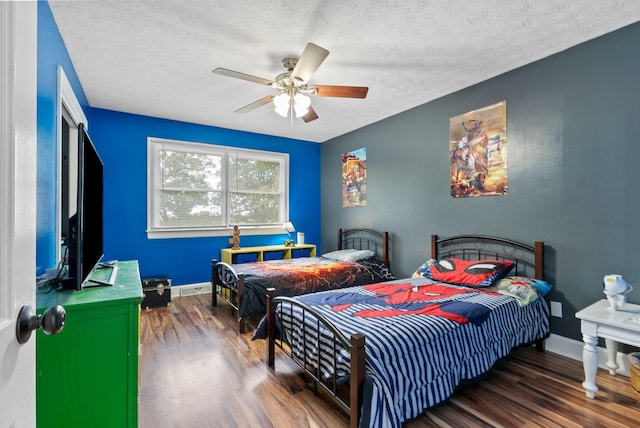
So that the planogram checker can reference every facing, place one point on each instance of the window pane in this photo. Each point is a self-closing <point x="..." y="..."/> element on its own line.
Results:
<point x="252" y="208"/>
<point x="179" y="208"/>
<point x="197" y="187"/>
<point x="254" y="175"/>
<point x="183" y="170"/>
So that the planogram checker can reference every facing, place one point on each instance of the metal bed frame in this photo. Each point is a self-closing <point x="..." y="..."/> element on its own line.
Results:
<point x="528" y="260"/>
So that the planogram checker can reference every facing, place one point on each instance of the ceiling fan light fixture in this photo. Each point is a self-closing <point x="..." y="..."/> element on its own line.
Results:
<point x="301" y="104"/>
<point x="281" y="104"/>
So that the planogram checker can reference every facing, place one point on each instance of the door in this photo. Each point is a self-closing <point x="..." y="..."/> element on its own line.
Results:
<point x="18" y="53"/>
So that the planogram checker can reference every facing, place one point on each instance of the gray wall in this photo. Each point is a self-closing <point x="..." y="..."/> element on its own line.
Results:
<point x="574" y="148"/>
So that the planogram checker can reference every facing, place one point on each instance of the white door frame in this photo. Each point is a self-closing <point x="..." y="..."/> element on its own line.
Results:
<point x="68" y="104"/>
<point x="18" y="165"/>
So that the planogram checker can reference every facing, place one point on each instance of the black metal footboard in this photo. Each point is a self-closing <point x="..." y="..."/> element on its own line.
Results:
<point x="320" y="330"/>
<point x="229" y="285"/>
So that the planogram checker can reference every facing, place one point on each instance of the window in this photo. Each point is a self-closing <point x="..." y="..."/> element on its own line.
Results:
<point x="196" y="189"/>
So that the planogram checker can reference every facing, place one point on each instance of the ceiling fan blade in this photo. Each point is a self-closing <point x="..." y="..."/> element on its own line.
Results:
<point x="340" y="91"/>
<point x="243" y="76"/>
<point x="312" y="56"/>
<point x="311" y="115"/>
<point x="254" y="105"/>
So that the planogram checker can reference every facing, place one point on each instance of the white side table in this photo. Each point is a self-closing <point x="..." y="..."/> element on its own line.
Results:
<point x="598" y="320"/>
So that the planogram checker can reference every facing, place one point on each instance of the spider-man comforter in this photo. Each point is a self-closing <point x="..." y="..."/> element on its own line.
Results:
<point x="422" y="339"/>
<point x="293" y="277"/>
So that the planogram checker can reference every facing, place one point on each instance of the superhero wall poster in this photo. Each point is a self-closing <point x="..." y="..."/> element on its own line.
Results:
<point x="478" y="152"/>
<point x="354" y="178"/>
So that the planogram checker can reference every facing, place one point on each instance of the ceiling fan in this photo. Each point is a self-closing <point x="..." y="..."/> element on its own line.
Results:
<point x="293" y="87"/>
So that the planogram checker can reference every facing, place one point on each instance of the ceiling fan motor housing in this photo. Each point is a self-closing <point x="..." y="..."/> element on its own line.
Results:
<point x="289" y="63"/>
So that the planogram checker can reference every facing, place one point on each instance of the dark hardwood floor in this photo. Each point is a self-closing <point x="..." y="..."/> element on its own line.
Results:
<point x="197" y="371"/>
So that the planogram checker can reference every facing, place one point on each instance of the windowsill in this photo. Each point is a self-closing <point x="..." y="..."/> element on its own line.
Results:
<point x="204" y="233"/>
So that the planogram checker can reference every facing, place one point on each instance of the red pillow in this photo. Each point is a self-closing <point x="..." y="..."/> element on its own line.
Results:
<point x="470" y="273"/>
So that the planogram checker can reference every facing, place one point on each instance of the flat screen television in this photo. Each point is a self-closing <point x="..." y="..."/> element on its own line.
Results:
<point x="84" y="174"/>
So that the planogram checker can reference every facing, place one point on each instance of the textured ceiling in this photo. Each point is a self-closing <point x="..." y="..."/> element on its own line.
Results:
<point x="154" y="57"/>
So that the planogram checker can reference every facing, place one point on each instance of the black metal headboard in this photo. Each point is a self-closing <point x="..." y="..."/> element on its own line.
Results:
<point x="528" y="259"/>
<point x="365" y="239"/>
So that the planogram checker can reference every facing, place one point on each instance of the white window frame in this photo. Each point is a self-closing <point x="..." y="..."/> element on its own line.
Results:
<point x="154" y="231"/>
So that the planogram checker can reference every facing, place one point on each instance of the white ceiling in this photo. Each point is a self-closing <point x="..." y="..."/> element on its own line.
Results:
<point x="155" y="57"/>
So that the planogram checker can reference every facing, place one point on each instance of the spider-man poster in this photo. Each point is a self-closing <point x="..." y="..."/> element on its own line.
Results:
<point x="478" y="152"/>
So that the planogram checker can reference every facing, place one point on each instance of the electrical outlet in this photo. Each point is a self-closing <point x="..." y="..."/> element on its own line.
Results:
<point x="556" y="309"/>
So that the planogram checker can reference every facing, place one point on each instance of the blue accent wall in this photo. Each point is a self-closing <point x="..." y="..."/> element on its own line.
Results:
<point x="51" y="54"/>
<point x="121" y="140"/>
<point x="573" y="149"/>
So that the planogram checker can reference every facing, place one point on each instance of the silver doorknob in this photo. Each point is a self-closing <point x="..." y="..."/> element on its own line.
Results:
<point x="51" y="322"/>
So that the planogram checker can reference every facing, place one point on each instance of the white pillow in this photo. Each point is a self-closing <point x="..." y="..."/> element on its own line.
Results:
<point x="350" y="255"/>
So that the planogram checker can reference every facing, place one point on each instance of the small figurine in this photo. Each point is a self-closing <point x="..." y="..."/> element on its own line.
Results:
<point x="235" y="240"/>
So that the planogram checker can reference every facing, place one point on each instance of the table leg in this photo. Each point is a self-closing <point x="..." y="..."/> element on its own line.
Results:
<point x="612" y="353"/>
<point x="590" y="364"/>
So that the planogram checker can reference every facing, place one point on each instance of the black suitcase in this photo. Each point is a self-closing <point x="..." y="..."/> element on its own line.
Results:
<point x="156" y="291"/>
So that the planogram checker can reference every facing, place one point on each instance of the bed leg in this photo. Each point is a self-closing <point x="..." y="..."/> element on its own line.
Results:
<point x="271" y="327"/>
<point x="214" y="283"/>
<point x="356" y="378"/>
<point x="540" y="345"/>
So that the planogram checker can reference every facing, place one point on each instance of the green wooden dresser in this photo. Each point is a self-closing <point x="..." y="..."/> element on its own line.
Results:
<point x="87" y="375"/>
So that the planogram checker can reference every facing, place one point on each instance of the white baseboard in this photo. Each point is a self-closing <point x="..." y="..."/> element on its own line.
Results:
<point x="573" y="349"/>
<point x="190" y="289"/>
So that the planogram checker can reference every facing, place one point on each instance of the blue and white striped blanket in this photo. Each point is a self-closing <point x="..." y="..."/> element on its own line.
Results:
<point x="422" y="339"/>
